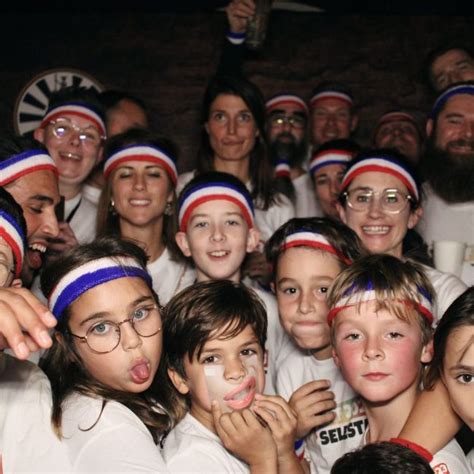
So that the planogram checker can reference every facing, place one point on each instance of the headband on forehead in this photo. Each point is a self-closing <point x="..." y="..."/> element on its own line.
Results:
<point x="286" y="99"/>
<point x="90" y="275"/>
<point x="382" y="165"/>
<point x="282" y="169"/>
<point x="27" y="162"/>
<point x="14" y="237"/>
<point x="424" y="305"/>
<point x="147" y="153"/>
<point x="396" y="117"/>
<point x="213" y="191"/>
<point x="329" y="157"/>
<point x="79" y="110"/>
<point x="304" y="238"/>
<point x="447" y="94"/>
<point x="328" y="94"/>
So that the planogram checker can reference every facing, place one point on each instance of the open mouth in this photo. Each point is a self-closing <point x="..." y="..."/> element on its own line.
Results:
<point x="219" y="253"/>
<point x="242" y="396"/>
<point x="35" y="252"/>
<point x="139" y="202"/>
<point x="140" y="371"/>
<point x="376" y="229"/>
<point x="70" y="156"/>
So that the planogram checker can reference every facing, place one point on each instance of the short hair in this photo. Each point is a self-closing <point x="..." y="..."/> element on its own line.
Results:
<point x="197" y="313"/>
<point x="111" y="98"/>
<point x="344" y="240"/>
<point x="382" y="458"/>
<point x="11" y="145"/>
<point x="395" y="283"/>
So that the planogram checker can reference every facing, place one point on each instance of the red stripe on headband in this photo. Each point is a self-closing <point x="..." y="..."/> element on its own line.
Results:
<point x="316" y="245"/>
<point x="77" y="114"/>
<point x="13" y="244"/>
<point x="278" y="103"/>
<point x="32" y="169"/>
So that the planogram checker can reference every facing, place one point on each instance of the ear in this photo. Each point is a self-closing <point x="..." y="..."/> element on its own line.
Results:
<point x="38" y="134"/>
<point x="429" y="127"/>
<point x="100" y="155"/>
<point x="273" y="287"/>
<point x="336" y="358"/>
<point x="253" y="239"/>
<point x="342" y="212"/>
<point x="414" y="217"/>
<point x="427" y="352"/>
<point x="354" y="122"/>
<point x="206" y="127"/>
<point x="178" y="382"/>
<point x="182" y="242"/>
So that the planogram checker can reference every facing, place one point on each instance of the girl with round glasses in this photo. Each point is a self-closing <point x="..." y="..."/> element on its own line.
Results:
<point x="108" y="404"/>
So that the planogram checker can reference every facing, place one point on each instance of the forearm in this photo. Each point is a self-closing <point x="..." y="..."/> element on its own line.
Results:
<point x="290" y="464"/>
<point x="270" y="466"/>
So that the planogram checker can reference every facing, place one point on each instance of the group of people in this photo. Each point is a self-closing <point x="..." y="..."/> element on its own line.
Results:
<point x="275" y="309"/>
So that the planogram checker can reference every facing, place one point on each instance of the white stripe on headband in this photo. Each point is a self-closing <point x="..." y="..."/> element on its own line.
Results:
<point x="74" y="109"/>
<point x="90" y="275"/>
<point x="330" y="95"/>
<point x="447" y="94"/>
<point x="286" y="99"/>
<point x="141" y="153"/>
<point x="282" y="169"/>
<point x="382" y="165"/>
<point x="27" y="162"/>
<point x="329" y="157"/>
<point x="424" y="306"/>
<point x="212" y="193"/>
<point x="14" y="238"/>
<point x="311" y="239"/>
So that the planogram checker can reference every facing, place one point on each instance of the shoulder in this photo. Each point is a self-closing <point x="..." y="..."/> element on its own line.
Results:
<point x="450" y="459"/>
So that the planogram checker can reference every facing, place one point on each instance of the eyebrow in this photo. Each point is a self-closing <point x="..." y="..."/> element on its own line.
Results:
<point x="42" y="198"/>
<point x="454" y="115"/>
<point x="455" y="368"/>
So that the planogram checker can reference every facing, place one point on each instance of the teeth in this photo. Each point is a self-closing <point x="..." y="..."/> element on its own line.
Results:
<point x="219" y="253"/>
<point x="241" y="395"/>
<point x="375" y="229"/>
<point x="72" y="156"/>
<point x="139" y="202"/>
<point x="38" y="247"/>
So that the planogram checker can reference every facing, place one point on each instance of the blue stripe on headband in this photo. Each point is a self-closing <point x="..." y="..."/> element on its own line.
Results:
<point x="13" y="222"/>
<point x="446" y="95"/>
<point x="20" y="157"/>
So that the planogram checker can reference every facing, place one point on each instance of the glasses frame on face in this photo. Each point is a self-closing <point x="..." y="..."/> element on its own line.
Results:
<point x="408" y="199"/>
<point x="76" y="129"/>
<point x="281" y="119"/>
<point x="10" y="275"/>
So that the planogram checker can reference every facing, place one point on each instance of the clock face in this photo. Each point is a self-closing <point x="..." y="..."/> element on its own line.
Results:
<point x="33" y="100"/>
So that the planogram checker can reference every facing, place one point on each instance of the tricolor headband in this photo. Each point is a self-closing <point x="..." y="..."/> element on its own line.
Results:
<point x="304" y="238"/>
<point x="90" y="275"/>
<point x="79" y="110"/>
<point x="147" y="153"/>
<point x="286" y="99"/>
<point x="282" y="169"/>
<point x="27" y="162"/>
<point x="213" y="191"/>
<point x="424" y="305"/>
<point x="329" y="157"/>
<point x="382" y="165"/>
<point x="14" y="237"/>
<point x="447" y="94"/>
<point x="396" y="117"/>
<point x="331" y="95"/>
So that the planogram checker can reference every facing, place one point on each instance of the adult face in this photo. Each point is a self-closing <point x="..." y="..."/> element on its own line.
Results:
<point x="124" y="116"/>
<point x="453" y="66"/>
<point x="279" y="127"/>
<point x="401" y="135"/>
<point x="327" y="186"/>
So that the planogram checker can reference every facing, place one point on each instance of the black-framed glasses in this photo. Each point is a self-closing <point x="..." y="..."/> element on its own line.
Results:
<point x="392" y="201"/>
<point x="63" y="129"/>
<point x="104" y="336"/>
<point x="295" y="121"/>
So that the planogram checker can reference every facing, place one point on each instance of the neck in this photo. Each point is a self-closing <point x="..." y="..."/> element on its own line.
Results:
<point x="323" y="353"/>
<point x="146" y="237"/>
<point x="201" y="276"/>
<point x="69" y="191"/>
<point x="237" y="168"/>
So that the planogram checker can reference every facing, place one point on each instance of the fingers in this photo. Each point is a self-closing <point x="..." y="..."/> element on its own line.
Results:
<point x="310" y="387"/>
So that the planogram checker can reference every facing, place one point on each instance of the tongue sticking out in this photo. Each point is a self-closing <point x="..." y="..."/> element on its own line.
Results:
<point x="34" y="259"/>
<point x="140" y="372"/>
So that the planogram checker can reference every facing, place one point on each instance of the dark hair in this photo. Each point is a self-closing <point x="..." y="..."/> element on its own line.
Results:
<point x="11" y="145"/>
<point x="460" y="313"/>
<point x="111" y="98"/>
<point x="260" y="170"/>
<point x="381" y="458"/>
<point x="344" y="240"/>
<point x="63" y="365"/>
<point x="14" y="210"/>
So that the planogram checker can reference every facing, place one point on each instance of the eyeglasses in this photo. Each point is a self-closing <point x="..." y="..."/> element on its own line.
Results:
<point x="7" y="273"/>
<point x="63" y="129"/>
<point x="392" y="201"/>
<point x="104" y="336"/>
<point x="295" y="121"/>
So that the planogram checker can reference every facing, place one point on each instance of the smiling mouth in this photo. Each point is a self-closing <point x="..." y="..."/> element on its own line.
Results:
<point x="219" y="253"/>
<point x="376" y="229"/>
<point x="139" y="202"/>
<point x="242" y="396"/>
<point x="70" y="156"/>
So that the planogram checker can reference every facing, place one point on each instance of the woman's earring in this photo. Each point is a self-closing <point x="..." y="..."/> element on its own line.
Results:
<point x="168" y="209"/>
<point x="112" y="207"/>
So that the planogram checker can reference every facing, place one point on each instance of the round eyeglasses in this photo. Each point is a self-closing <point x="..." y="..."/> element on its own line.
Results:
<point x="392" y="201"/>
<point x="64" y="129"/>
<point x="104" y="336"/>
<point x="295" y="121"/>
<point x="7" y="273"/>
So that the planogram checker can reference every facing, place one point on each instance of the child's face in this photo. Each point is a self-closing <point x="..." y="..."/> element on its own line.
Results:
<point x="239" y="360"/>
<point x="302" y="280"/>
<point x="217" y="238"/>
<point x="7" y="263"/>
<point x="378" y="354"/>
<point x="327" y="186"/>
<point x="131" y="366"/>
<point x="458" y="372"/>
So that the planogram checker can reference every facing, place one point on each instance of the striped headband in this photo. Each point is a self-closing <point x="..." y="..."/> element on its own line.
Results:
<point x="331" y="95"/>
<point x="148" y="153"/>
<point x="304" y="238"/>
<point x="90" y="275"/>
<point x="286" y="99"/>
<point x="79" y="110"/>
<point x="382" y="165"/>
<point x="424" y="305"/>
<point x="214" y="191"/>
<point x="14" y="237"/>
<point x="29" y="161"/>
<point x="447" y="94"/>
<point x="282" y="169"/>
<point x="329" y="157"/>
<point x="396" y="117"/>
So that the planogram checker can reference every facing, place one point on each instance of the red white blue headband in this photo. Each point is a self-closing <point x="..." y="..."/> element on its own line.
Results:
<point x="147" y="153"/>
<point x="27" y="162"/>
<point x="78" y="110"/>
<point x="286" y="99"/>
<point x="382" y="165"/>
<point x="329" y="157"/>
<point x="424" y="305"/>
<point x="447" y="94"/>
<point x="304" y="238"/>
<point x="14" y="237"/>
<point x="282" y="169"/>
<point x="72" y="285"/>
<point x="331" y="95"/>
<point x="396" y="117"/>
<point x="213" y="191"/>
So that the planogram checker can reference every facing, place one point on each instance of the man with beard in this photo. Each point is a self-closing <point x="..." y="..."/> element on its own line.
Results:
<point x="287" y="125"/>
<point x="448" y="167"/>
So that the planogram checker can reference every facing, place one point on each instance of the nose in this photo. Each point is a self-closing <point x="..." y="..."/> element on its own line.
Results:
<point x="231" y="126"/>
<point x="129" y="338"/>
<point x="334" y="187"/>
<point x="375" y="207"/>
<point x="373" y="349"/>
<point x="74" y="137"/>
<point x="234" y="369"/>
<point x="49" y="223"/>
<point x="138" y="182"/>
<point x="217" y="234"/>
<point x="468" y="130"/>
<point x="305" y="302"/>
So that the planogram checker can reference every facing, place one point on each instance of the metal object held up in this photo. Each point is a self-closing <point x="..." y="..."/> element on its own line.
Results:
<point x="258" y="24"/>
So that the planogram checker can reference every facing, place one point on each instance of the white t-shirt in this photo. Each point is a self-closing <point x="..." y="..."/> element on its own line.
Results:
<point x="115" y="440"/>
<point x="450" y="460"/>
<point x="306" y="204"/>
<point x="191" y="447"/>
<point x="92" y="193"/>
<point x="27" y="440"/>
<point x="327" y="444"/>
<point x="83" y="221"/>
<point x="169" y="277"/>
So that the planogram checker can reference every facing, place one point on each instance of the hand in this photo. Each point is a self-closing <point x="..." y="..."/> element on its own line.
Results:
<point x="238" y="12"/>
<point x="312" y="402"/>
<point x="24" y="322"/>
<point x="65" y="240"/>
